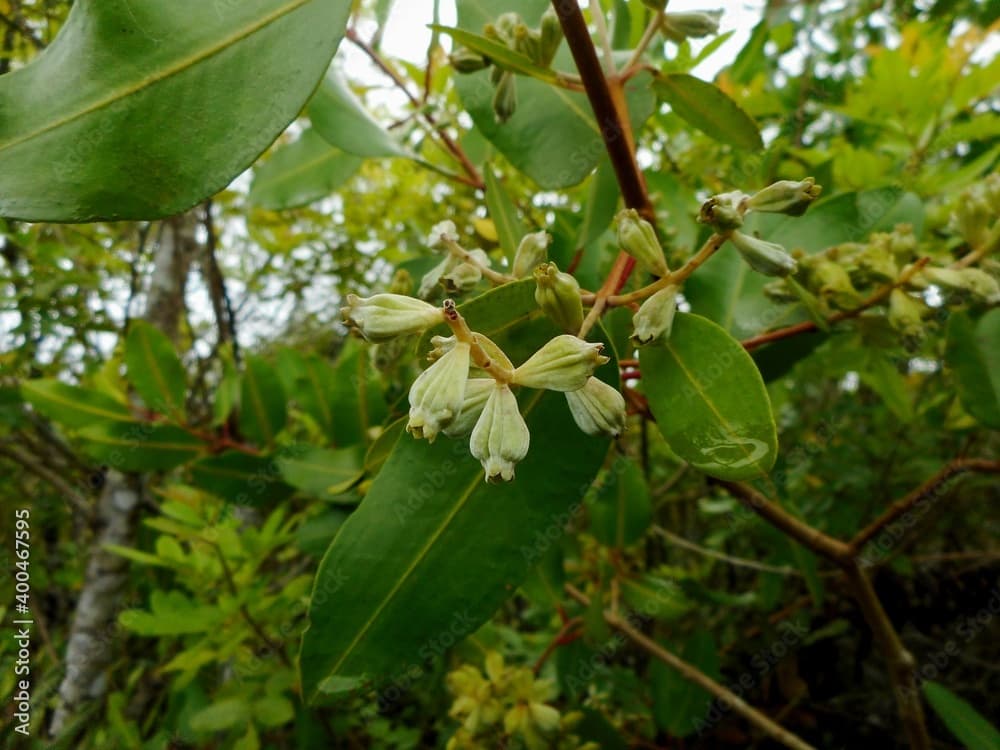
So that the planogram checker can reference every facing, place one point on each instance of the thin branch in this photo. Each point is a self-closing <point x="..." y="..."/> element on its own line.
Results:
<point x="712" y="244"/>
<point x="647" y="38"/>
<point x="692" y="674"/>
<point x="39" y="469"/>
<point x="739" y="562"/>
<point x="928" y="489"/>
<point x="225" y="318"/>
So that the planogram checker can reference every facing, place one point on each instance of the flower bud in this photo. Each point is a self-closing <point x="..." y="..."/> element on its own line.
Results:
<point x="500" y="438"/>
<point x="563" y="364"/>
<point x="768" y="258"/>
<point x="543" y="716"/>
<point x="477" y="390"/>
<point x="402" y="282"/>
<point x="655" y="317"/>
<point x="494" y="352"/>
<point x="724" y="211"/>
<point x="873" y="264"/>
<point x="384" y="316"/>
<point x="906" y="316"/>
<point x="786" y="197"/>
<point x="442" y="233"/>
<point x="532" y="251"/>
<point x="464" y="60"/>
<point x="440" y="345"/>
<point x="462" y="277"/>
<point x="972" y="282"/>
<point x="551" y="34"/>
<point x="505" y="97"/>
<point x="432" y="278"/>
<point x="680" y="26"/>
<point x="438" y="393"/>
<point x="637" y="237"/>
<point x="831" y="282"/>
<point x="597" y="408"/>
<point x="558" y="294"/>
<point x="528" y="42"/>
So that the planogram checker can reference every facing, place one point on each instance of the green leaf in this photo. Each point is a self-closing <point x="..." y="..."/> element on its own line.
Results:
<point x="433" y="547"/>
<point x="175" y="100"/>
<point x="705" y="106"/>
<point x="680" y="706"/>
<point x="140" y="446"/>
<point x="171" y="613"/>
<point x="320" y="472"/>
<point x="656" y="597"/>
<point x="240" y="478"/>
<point x="224" y="714"/>
<point x="601" y="205"/>
<point x="709" y="400"/>
<point x="621" y="510"/>
<point x="298" y="173"/>
<point x="154" y="369"/>
<point x="974" y="731"/>
<point x="262" y="402"/>
<point x="974" y="356"/>
<point x="72" y="406"/>
<point x="502" y="211"/>
<point x="342" y="120"/>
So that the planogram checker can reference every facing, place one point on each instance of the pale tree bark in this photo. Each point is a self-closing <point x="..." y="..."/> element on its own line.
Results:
<point x="93" y="635"/>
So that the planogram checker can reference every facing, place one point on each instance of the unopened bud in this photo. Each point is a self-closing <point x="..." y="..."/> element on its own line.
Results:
<point x="384" y="316"/>
<point x="464" y="60"/>
<point x="558" y="294"/>
<point x="544" y="716"/>
<point x="874" y="263"/>
<point x="724" y="211"/>
<point x="680" y="26"/>
<point x="906" y="316"/>
<point x="462" y="278"/>
<point x="563" y="364"/>
<point x="531" y="252"/>
<point x="505" y="97"/>
<point x="500" y="438"/>
<point x="786" y="197"/>
<point x="438" y="393"/>
<point x="972" y="282"/>
<point x="551" y="34"/>
<point x="528" y="42"/>
<point x="477" y="390"/>
<point x="768" y="258"/>
<point x="637" y="237"/>
<point x="597" y="408"/>
<point x="402" y="282"/>
<point x="655" y="317"/>
<point x="831" y="282"/>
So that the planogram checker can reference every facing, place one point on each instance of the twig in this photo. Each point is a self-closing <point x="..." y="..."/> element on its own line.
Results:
<point x="695" y="675"/>
<point x="739" y="562"/>
<point x="225" y="318"/>
<point x="647" y="37"/>
<point x="39" y="469"/>
<point x="561" y="638"/>
<point x="712" y="244"/>
<point x="809" y="325"/>
<point x="928" y="488"/>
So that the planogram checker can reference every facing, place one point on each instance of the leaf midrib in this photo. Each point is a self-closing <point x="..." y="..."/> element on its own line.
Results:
<point x="83" y="407"/>
<point x="178" y="67"/>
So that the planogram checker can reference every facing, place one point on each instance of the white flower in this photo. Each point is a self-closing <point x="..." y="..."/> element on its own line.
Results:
<point x="477" y="390"/>
<point x="437" y="395"/>
<point x="441" y="233"/>
<point x="598" y="408"/>
<point x="563" y="364"/>
<point x="500" y="438"/>
<point x="384" y="316"/>
<point x="655" y="317"/>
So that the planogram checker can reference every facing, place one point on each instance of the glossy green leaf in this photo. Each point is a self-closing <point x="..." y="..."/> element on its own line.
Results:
<point x="705" y="106"/>
<point x="973" y="353"/>
<point x="342" y="120"/>
<point x="621" y="510"/>
<point x="298" y="173"/>
<point x="154" y="369"/>
<point x="709" y="400"/>
<point x="971" y="728"/>
<point x="240" y="478"/>
<point x="601" y="205"/>
<point x="503" y="212"/>
<point x="680" y="706"/>
<point x="262" y="402"/>
<point x="173" y="101"/>
<point x="139" y="446"/>
<point x="320" y="472"/>
<point x="72" y="406"/>
<point x="434" y="547"/>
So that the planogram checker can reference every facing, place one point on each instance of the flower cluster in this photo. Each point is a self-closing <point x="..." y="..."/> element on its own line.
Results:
<point x="504" y="703"/>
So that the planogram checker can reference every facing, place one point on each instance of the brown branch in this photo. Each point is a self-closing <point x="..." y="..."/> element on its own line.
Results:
<point x="810" y="325"/>
<point x="692" y="674"/>
<point x="475" y="179"/>
<point x="39" y="469"/>
<point x="927" y="489"/>
<point x="222" y="305"/>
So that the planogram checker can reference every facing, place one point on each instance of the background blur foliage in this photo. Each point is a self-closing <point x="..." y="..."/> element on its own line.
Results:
<point x="887" y="98"/>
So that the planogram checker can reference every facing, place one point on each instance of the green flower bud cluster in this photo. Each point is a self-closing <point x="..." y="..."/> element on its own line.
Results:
<point x="558" y="294"/>
<point x="977" y="214"/>
<point x="537" y="44"/>
<point x="694" y="25"/>
<point x="829" y="280"/>
<point x="507" y="706"/>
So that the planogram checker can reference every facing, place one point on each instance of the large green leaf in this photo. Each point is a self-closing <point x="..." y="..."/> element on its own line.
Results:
<point x="139" y="446"/>
<point x="301" y="172"/>
<point x="262" y="402"/>
<point x="621" y="510"/>
<point x="342" y="120"/>
<point x="154" y="369"/>
<point x="709" y="400"/>
<point x="433" y="548"/>
<point x="320" y="472"/>
<point x="150" y="107"/>
<point x="973" y="353"/>
<point x="680" y="706"/>
<point x="240" y="478"/>
<point x="705" y="106"/>
<point x="72" y="406"/>
<point x="972" y="729"/>
<point x="503" y="212"/>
